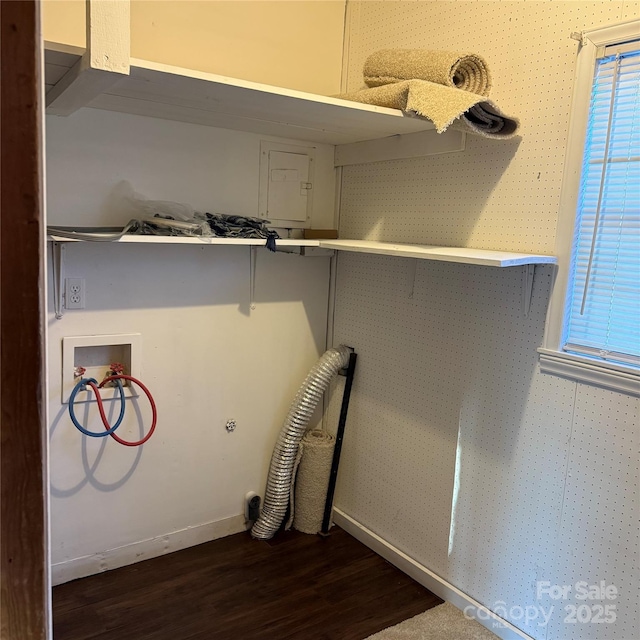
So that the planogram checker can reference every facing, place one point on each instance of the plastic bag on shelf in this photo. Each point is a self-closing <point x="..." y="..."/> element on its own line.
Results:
<point x="159" y="217"/>
<point x="167" y="218"/>
<point x="139" y="206"/>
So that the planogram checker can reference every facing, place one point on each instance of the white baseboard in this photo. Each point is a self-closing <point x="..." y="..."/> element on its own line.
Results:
<point x="145" y="549"/>
<point x="428" y="579"/>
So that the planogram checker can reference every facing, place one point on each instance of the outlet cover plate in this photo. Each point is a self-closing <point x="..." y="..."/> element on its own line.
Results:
<point x="74" y="293"/>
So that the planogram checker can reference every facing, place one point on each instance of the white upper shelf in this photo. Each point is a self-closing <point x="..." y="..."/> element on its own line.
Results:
<point x="422" y="252"/>
<point x="173" y="93"/>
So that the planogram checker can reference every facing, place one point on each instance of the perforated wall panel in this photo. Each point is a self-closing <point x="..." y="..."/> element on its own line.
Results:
<point x="496" y="194"/>
<point x="598" y="536"/>
<point x="458" y="451"/>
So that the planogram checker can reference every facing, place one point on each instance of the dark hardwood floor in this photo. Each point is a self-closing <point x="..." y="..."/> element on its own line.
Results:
<point x="294" y="586"/>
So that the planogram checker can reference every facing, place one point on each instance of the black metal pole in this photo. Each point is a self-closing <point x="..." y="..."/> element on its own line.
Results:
<point x="328" y="505"/>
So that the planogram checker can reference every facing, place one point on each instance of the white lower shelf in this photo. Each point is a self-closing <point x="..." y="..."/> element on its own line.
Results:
<point x="246" y="242"/>
<point x="444" y="254"/>
<point x="464" y="255"/>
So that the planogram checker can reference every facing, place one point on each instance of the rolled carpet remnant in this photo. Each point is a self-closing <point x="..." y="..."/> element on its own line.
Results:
<point x="444" y="106"/>
<point x="309" y="493"/>
<point x="466" y="71"/>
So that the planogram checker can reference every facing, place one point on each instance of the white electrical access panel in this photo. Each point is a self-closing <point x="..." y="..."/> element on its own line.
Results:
<point x="286" y="184"/>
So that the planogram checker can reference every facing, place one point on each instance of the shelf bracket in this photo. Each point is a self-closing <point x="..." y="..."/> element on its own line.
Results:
<point x="528" y="274"/>
<point x="59" y="251"/>
<point x="296" y="251"/>
<point x="253" y="255"/>
<point x="316" y="252"/>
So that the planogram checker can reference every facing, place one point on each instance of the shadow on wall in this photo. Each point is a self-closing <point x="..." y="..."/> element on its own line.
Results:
<point x="434" y="200"/>
<point x="190" y="295"/>
<point x="91" y="468"/>
<point x="128" y="277"/>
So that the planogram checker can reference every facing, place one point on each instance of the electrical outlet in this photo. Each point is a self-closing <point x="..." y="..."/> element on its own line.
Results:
<point x="74" y="296"/>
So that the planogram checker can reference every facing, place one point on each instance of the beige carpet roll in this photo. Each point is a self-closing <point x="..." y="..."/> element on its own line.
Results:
<point x="444" y="106"/>
<point x="466" y="71"/>
<point x="312" y="481"/>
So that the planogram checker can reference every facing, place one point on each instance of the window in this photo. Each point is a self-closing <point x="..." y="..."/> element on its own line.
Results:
<point x="593" y="331"/>
<point x="604" y="288"/>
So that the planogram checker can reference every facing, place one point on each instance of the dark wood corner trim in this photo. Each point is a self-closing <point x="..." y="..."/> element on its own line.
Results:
<point x="24" y="594"/>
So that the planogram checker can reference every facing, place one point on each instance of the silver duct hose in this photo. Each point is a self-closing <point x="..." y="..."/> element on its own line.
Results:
<point x="285" y="451"/>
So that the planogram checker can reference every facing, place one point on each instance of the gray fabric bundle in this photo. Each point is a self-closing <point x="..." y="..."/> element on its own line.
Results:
<point x="466" y="71"/>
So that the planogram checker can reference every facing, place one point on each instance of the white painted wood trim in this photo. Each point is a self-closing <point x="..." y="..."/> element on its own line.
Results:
<point x="106" y="59"/>
<point x="612" y="33"/>
<point x="145" y="549"/>
<point x="483" y="257"/>
<point x="351" y="24"/>
<point x="410" y="145"/>
<point x="600" y="374"/>
<point x="569" y="194"/>
<point x="428" y="579"/>
<point x="109" y="35"/>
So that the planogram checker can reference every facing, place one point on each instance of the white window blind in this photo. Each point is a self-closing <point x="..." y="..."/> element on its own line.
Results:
<point x="603" y="314"/>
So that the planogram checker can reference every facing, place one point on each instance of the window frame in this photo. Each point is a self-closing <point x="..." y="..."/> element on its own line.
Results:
<point x="552" y="358"/>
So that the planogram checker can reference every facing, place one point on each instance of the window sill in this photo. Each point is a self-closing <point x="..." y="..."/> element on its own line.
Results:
<point x="615" y="377"/>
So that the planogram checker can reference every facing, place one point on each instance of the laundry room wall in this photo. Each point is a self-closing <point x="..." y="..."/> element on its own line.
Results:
<point x="288" y="43"/>
<point x="458" y="452"/>
<point x="207" y="355"/>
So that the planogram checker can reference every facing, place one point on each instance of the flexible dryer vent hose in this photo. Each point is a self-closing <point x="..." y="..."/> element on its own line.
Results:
<point x="284" y="453"/>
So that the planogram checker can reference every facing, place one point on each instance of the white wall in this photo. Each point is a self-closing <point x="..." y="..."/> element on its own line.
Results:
<point x="288" y="43"/>
<point x="458" y="451"/>
<point x="211" y="169"/>
<point x="206" y="356"/>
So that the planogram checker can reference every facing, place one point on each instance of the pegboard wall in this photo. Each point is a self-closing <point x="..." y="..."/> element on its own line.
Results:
<point x="458" y="451"/>
<point x="462" y="455"/>
<point x="496" y="194"/>
<point x="598" y="535"/>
